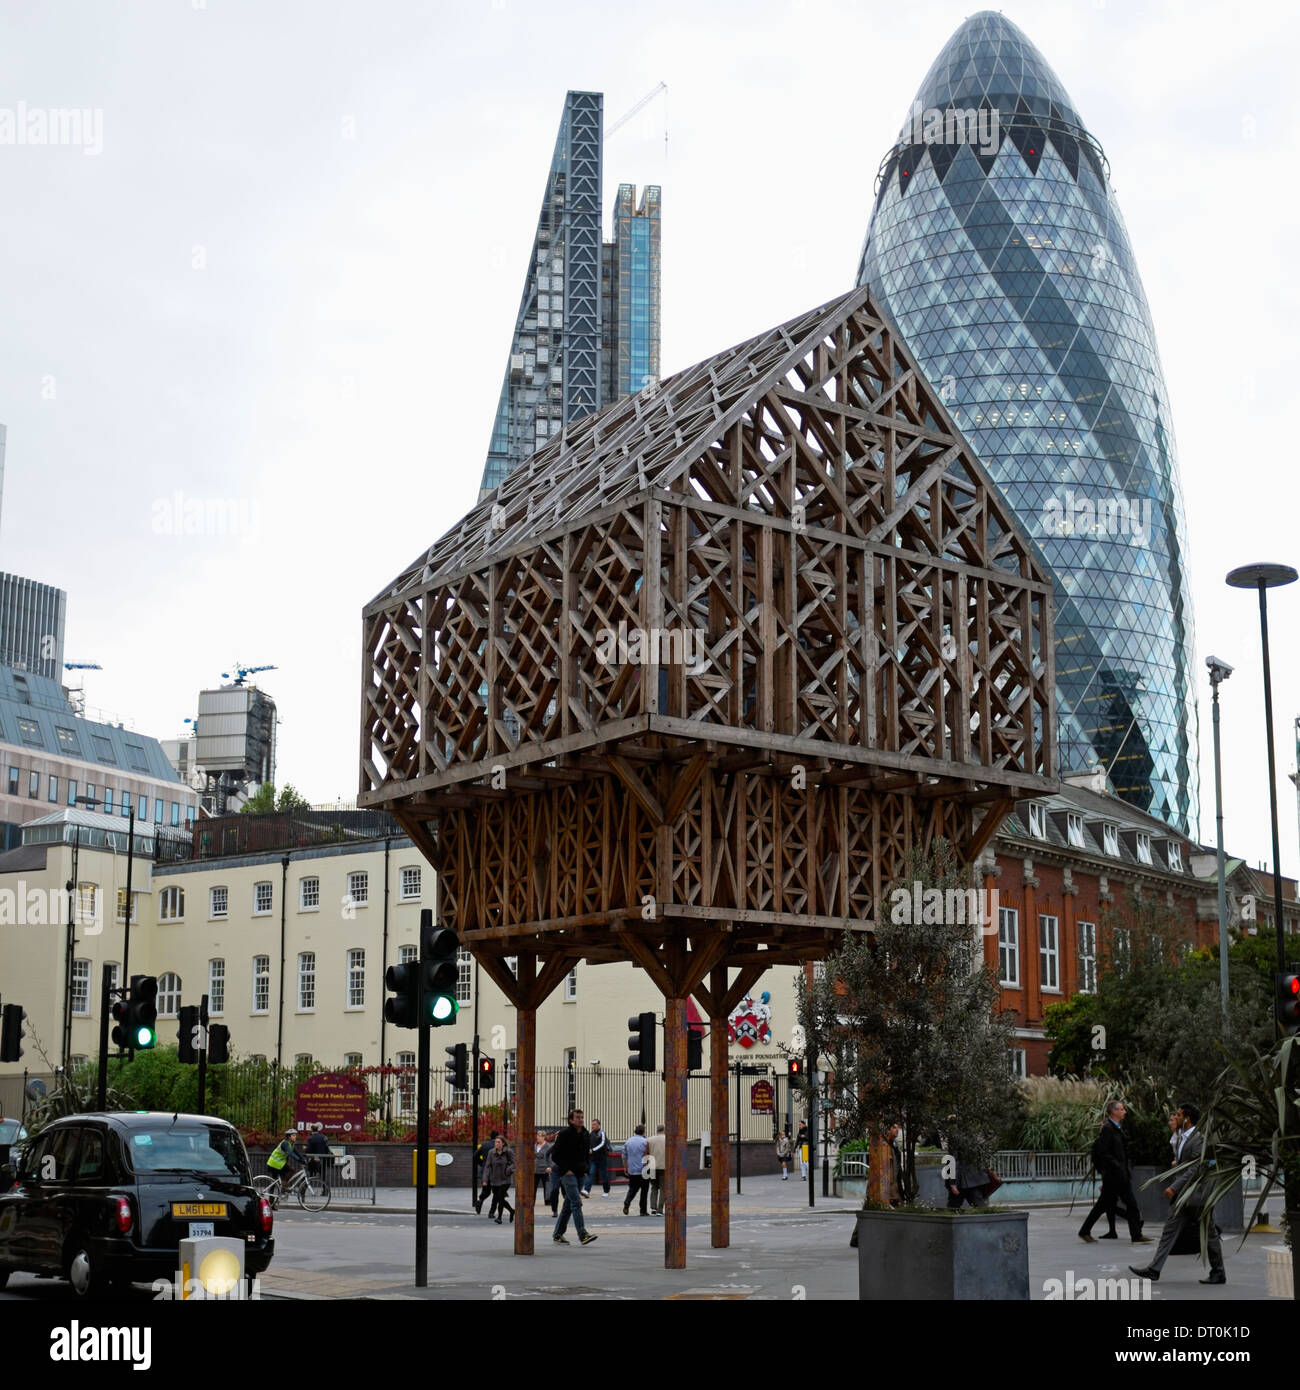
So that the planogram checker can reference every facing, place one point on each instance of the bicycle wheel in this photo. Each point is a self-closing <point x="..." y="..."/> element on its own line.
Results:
<point x="269" y="1188"/>
<point x="313" y="1195"/>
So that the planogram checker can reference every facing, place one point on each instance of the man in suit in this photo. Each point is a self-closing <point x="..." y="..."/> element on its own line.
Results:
<point x="1110" y="1154"/>
<point x="1190" y="1148"/>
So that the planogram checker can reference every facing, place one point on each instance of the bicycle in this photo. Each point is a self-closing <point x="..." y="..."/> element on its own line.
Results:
<point x="311" y="1189"/>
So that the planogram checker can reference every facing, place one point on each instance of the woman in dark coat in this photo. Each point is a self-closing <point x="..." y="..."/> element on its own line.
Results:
<point x="498" y="1171"/>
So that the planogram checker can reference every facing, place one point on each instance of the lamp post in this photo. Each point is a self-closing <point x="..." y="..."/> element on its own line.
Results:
<point x="1263" y="578"/>
<point x="1219" y="672"/>
<point x="126" y="911"/>
<point x="74" y="891"/>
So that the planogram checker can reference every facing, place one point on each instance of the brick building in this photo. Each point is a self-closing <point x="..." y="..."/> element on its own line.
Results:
<point x="1082" y="877"/>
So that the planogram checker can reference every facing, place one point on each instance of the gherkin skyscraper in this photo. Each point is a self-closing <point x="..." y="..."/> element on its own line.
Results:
<point x="997" y="247"/>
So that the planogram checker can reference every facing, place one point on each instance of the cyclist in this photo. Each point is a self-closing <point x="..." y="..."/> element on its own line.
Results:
<point x="287" y="1154"/>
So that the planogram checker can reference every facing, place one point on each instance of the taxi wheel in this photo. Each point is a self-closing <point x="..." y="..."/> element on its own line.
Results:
<point x="87" y="1278"/>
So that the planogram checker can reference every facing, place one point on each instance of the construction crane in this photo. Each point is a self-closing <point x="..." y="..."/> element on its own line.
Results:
<point x="242" y="673"/>
<point x="627" y="115"/>
<point x="77" y="693"/>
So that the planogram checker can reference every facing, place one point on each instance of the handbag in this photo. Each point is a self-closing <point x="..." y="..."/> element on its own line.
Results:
<point x="994" y="1183"/>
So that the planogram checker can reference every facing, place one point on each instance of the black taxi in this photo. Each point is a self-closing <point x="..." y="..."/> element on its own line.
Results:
<point x="107" y="1198"/>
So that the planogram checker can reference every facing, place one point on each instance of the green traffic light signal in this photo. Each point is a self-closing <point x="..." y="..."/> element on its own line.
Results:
<point x="439" y="950"/>
<point x="443" y="1009"/>
<point x="136" y="1015"/>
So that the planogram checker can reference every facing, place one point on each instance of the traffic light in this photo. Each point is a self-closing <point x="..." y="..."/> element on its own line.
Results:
<point x="11" y="1033"/>
<point x="189" y="1033"/>
<point x="439" y="949"/>
<point x="458" y="1067"/>
<point x="403" y="983"/>
<point x="487" y="1073"/>
<point x="796" y="1069"/>
<point x="218" y="1043"/>
<point x="1288" y="1003"/>
<point x="694" y="1049"/>
<point x="641" y="1043"/>
<point x="438" y="962"/>
<point x="137" y="1015"/>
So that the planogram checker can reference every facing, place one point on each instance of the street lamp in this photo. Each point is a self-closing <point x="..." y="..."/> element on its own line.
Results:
<point x="1262" y="578"/>
<point x="73" y="889"/>
<point x="1219" y="672"/>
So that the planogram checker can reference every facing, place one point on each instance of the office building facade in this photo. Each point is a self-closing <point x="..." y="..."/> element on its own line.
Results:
<point x="588" y="319"/>
<point x="630" y="295"/>
<point x="997" y="246"/>
<point x="32" y="618"/>
<point x="52" y="758"/>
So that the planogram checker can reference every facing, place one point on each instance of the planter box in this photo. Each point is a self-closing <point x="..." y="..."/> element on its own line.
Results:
<point x="974" y="1255"/>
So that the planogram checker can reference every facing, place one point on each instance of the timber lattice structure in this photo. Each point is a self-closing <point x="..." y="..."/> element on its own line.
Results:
<point x="691" y="683"/>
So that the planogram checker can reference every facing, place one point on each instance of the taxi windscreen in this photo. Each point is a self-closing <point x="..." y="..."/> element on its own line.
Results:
<point x="186" y="1149"/>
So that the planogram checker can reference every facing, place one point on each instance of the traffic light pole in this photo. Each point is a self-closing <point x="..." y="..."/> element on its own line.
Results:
<point x="102" y="1103"/>
<point x="422" y="1149"/>
<point x="203" y="1054"/>
<point x="810" y="1075"/>
<point x="473" y="1152"/>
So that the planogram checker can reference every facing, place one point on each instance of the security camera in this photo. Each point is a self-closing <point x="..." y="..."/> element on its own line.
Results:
<point x="595" y="1062"/>
<point x="1219" y="670"/>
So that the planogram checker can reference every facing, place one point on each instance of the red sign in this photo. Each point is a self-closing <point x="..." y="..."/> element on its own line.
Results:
<point x="762" y="1098"/>
<point x="336" y="1101"/>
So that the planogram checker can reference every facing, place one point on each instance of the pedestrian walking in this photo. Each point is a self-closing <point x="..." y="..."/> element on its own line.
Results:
<point x="551" y="1192"/>
<point x="1191" y="1147"/>
<point x="894" y="1177"/>
<point x="801" y="1148"/>
<point x="541" y="1163"/>
<point x="783" y="1151"/>
<point x="499" y="1172"/>
<point x="480" y="1159"/>
<point x="971" y="1179"/>
<point x="318" y="1149"/>
<point x="599" y="1166"/>
<point x="569" y="1155"/>
<point x="1111" y="1160"/>
<point x="655" y="1163"/>
<point x="634" y="1152"/>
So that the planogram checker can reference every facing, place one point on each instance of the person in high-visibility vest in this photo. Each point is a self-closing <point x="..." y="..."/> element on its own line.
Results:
<point x="286" y="1152"/>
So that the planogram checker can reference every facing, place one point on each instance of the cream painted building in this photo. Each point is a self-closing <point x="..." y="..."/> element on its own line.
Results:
<point x="336" y="915"/>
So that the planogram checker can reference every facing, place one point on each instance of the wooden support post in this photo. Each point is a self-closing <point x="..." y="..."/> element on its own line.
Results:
<point x="675" y="1121"/>
<point x="719" y="1135"/>
<point x="526" y="1119"/>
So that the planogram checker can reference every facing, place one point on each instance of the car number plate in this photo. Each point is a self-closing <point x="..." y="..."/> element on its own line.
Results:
<point x="186" y="1210"/>
<point x="201" y="1228"/>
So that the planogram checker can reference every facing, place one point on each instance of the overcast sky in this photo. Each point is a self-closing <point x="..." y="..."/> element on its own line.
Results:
<point x="283" y="273"/>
